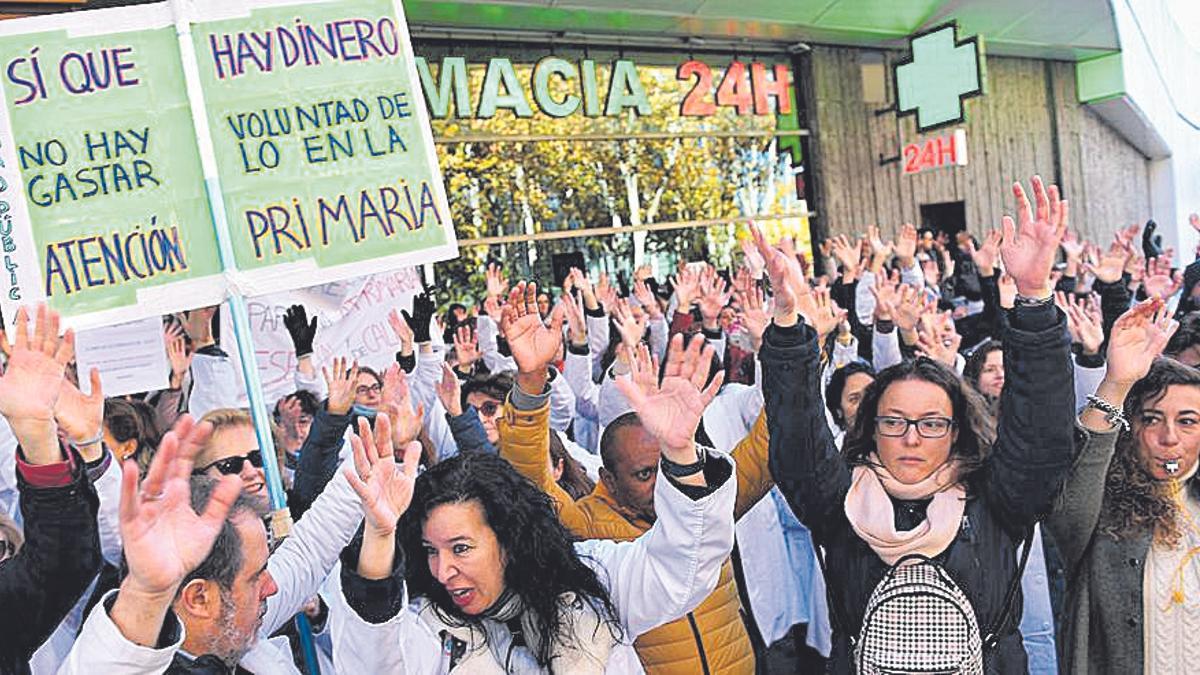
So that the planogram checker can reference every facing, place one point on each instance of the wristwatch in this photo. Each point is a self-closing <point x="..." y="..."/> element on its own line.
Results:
<point x="675" y="470"/>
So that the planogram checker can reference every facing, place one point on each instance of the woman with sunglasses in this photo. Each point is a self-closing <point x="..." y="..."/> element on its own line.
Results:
<point x="924" y="470"/>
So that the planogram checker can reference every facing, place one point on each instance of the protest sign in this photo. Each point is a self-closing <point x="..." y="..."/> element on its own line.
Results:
<point x="131" y="357"/>
<point x="352" y="321"/>
<point x="103" y="212"/>
<point x="321" y="140"/>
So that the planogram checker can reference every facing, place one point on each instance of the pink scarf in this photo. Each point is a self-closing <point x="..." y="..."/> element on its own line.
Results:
<point x="871" y="514"/>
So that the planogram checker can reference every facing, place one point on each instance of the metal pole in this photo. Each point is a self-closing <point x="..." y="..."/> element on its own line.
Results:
<point x="281" y="519"/>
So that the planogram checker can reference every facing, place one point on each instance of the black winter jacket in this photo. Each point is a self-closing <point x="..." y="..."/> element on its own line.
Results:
<point x="61" y="556"/>
<point x="1013" y="490"/>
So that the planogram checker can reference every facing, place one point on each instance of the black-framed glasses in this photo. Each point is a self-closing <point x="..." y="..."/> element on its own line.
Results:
<point x="927" y="427"/>
<point x="368" y="389"/>
<point x="231" y="466"/>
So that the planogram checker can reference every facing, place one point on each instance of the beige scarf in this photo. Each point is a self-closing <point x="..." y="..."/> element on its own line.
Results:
<point x="873" y="518"/>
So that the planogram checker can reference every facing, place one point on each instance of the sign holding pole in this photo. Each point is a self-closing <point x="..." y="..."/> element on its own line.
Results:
<point x="168" y="156"/>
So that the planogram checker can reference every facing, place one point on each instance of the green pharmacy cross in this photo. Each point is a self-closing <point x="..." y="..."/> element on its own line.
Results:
<point x="939" y="75"/>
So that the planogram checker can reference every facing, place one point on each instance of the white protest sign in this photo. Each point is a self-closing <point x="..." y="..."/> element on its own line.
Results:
<point x="131" y="357"/>
<point x="352" y="321"/>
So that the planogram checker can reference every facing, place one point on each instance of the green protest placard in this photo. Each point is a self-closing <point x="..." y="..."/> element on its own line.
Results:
<point x="321" y="140"/>
<point x="103" y="212"/>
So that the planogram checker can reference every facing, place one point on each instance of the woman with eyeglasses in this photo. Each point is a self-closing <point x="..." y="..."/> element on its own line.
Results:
<point x="924" y="470"/>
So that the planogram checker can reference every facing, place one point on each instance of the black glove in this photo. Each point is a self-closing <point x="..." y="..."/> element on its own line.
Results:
<point x="419" y="320"/>
<point x="1151" y="243"/>
<point x="303" y="331"/>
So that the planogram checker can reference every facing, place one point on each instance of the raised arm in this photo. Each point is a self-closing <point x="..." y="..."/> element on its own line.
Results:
<point x="1138" y="337"/>
<point x="61" y="555"/>
<point x="1034" y="442"/>
<point x="802" y="456"/>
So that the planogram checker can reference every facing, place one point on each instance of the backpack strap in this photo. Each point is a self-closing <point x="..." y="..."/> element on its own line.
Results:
<point x="835" y="613"/>
<point x="993" y="634"/>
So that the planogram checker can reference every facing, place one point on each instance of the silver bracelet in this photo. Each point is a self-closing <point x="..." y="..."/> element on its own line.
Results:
<point x="1112" y="414"/>
<point x="91" y="441"/>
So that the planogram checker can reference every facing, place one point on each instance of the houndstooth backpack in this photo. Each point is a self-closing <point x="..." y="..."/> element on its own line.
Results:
<point x="918" y="620"/>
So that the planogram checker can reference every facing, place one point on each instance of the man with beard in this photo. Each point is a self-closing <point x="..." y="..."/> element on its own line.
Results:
<point x="195" y="598"/>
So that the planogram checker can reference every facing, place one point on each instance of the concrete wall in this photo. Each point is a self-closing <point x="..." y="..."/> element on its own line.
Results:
<point x="1161" y="101"/>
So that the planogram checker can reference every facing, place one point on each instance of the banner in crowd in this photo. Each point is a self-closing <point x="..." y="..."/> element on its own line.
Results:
<point x="319" y="136"/>
<point x="103" y="211"/>
<point x="352" y="321"/>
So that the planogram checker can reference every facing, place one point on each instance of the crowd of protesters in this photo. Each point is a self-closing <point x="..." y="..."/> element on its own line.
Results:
<point x="908" y="455"/>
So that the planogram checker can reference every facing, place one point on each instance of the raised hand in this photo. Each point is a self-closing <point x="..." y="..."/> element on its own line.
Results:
<point x="32" y="380"/>
<point x="713" y="297"/>
<point x="301" y="329"/>
<point x="887" y="294"/>
<point x="779" y="271"/>
<point x="289" y="421"/>
<point x="81" y="417"/>
<point x="466" y="347"/>
<point x="939" y="340"/>
<point x="1137" y="337"/>
<point x="1160" y="282"/>
<point x="880" y="251"/>
<point x="396" y="403"/>
<point x="421" y="318"/>
<point x="1109" y="266"/>
<point x="385" y="489"/>
<point x="177" y="353"/>
<point x="632" y="330"/>
<point x="576" y="322"/>
<point x="341" y="383"/>
<point x="494" y="309"/>
<point x="906" y="245"/>
<point x="534" y="345"/>
<point x="402" y="330"/>
<point x="1086" y="326"/>
<point x="754" y="316"/>
<point x="497" y="282"/>
<point x="1028" y="252"/>
<point x="1072" y="246"/>
<point x="687" y="288"/>
<point x="907" y="308"/>
<point x="985" y="256"/>
<point x="753" y="259"/>
<point x="671" y="410"/>
<point x="821" y="312"/>
<point x="449" y="391"/>
<point x="163" y="538"/>
<point x="644" y="296"/>
<point x="606" y="294"/>
<point x="846" y="253"/>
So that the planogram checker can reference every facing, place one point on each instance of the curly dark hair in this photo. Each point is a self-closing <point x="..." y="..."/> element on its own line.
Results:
<point x="1135" y="501"/>
<point x="541" y="562"/>
<point x="975" y="425"/>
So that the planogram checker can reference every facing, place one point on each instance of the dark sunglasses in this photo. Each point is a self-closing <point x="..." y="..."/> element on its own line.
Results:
<point x="488" y="408"/>
<point x="231" y="466"/>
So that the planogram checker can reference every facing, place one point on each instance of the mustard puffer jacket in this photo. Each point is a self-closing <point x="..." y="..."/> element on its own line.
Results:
<point x="711" y="639"/>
